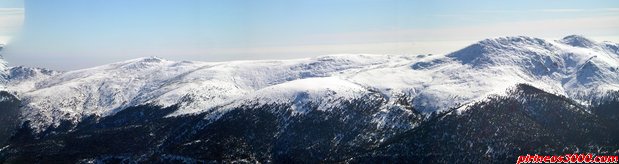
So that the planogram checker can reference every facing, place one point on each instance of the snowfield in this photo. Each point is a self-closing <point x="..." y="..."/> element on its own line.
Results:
<point x="574" y="66"/>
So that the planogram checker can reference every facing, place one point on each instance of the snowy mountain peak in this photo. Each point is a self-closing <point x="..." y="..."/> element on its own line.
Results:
<point x="151" y="59"/>
<point x="502" y="50"/>
<point x="143" y="63"/>
<point x="144" y="60"/>
<point x="22" y="79"/>
<point x="24" y="73"/>
<point x="512" y="41"/>
<point x="578" y="41"/>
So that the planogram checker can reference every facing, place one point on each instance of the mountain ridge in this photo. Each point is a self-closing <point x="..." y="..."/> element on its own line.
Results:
<point x="436" y="83"/>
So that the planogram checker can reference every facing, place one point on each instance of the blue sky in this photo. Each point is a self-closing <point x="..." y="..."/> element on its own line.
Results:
<point x="73" y="34"/>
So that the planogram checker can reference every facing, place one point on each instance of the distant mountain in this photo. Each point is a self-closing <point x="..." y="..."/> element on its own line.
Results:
<point x="482" y="103"/>
<point x="23" y="79"/>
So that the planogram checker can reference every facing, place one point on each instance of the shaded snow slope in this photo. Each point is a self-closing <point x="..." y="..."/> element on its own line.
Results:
<point x="574" y="66"/>
<point x="324" y="92"/>
<point x="3" y="70"/>
<point x="24" y="79"/>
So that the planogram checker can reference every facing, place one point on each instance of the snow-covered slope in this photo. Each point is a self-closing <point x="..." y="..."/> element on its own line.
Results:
<point x="3" y="69"/>
<point x="198" y="86"/>
<point x="24" y="79"/>
<point x="574" y="66"/>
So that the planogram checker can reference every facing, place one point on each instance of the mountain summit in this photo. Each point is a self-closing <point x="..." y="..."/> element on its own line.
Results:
<point x="578" y="41"/>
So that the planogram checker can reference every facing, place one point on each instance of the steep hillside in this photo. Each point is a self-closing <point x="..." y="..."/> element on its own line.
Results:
<point x="4" y="73"/>
<point x="525" y="120"/>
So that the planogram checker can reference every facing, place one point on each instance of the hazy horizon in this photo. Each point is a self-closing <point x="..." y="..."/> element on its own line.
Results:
<point x="74" y="34"/>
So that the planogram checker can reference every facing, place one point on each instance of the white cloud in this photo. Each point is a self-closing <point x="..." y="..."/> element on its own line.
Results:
<point x="549" y="10"/>
<point x="7" y="11"/>
<point x="559" y="10"/>
<point x="11" y="20"/>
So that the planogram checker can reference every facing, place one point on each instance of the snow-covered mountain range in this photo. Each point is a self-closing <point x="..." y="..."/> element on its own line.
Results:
<point x="486" y="103"/>
<point x="575" y="67"/>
